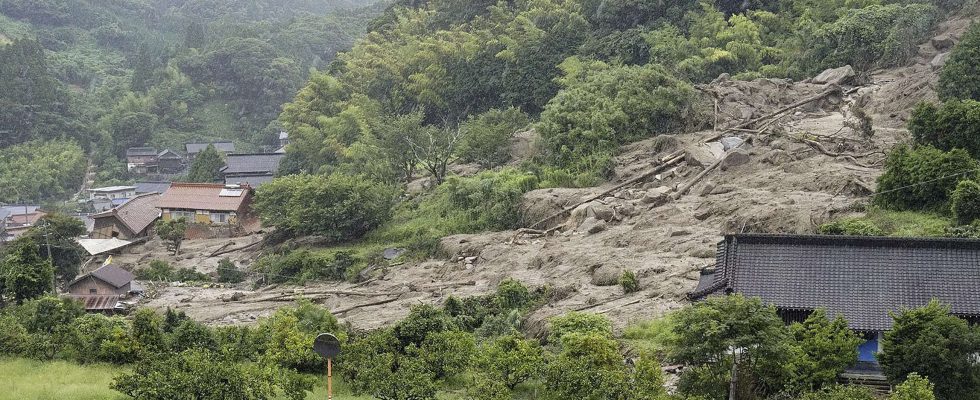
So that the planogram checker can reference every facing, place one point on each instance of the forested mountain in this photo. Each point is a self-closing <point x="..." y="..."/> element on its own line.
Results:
<point x="114" y="74"/>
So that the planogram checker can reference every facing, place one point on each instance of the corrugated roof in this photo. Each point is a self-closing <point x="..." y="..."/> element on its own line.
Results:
<point x="109" y="189"/>
<point x="110" y="274"/>
<point x="95" y="302"/>
<point x="222" y="147"/>
<point x="136" y="213"/>
<point x="140" y="151"/>
<point x="100" y="246"/>
<point x="252" y="163"/>
<point x="152" y="187"/>
<point x="200" y="196"/>
<point x="860" y="278"/>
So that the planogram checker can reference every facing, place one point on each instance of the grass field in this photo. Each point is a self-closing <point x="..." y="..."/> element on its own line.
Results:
<point x="39" y="380"/>
<point x="24" y="379"/>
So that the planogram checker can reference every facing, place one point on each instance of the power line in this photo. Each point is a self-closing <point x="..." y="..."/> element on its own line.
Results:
<point x="975" y="170"/>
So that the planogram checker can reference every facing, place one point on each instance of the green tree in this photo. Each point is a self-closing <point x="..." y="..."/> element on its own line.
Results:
<point x="708" y="330"/>
<point x="953" y="125"/>
<point x="965" y="202"/>
<point x="922" y="178"/>
<point x="824" y="347"/>
<point x="841" y="392"/>
<point x="228" y="272"/>
<point x="628" y="282"/>
<point x="422" y="321"/>
<point x="39" y="170"/>
<point x="206" y="167"/>
<point x="338" y="207"/>
<point x="510" y="360"/>
<point x="589" y="366"/>
<point x="931" y="342"/>
<point x="60" y="231"/>
<point x="576" y="322"/>
<point x="486" y="138"/>
<point x="132" y="129"/>
<point x="26" y="275"/>
<point x="960" y="76"/>
<point x="915" y="387"/>
<point x="172" y="232"/>
<point x="447" y="354"/>
<point x="147" y="331"/>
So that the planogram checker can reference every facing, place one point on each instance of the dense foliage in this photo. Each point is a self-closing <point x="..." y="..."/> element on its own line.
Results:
<point x="960" y="76"/>
<point x="38" y="170"/>
<point x="931" y="342"/>
<point x="952" y="125"/>
<point x="923" y="177"/>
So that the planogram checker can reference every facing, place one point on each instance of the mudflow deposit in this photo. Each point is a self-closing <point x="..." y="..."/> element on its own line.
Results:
<point x="777" y="156"/>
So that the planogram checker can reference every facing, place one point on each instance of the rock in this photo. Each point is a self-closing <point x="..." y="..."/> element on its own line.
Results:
<point x="606" y="275"/>
<point x="722" y="189"/>
<point x="469" y="260"/>
<point x="657" y="196"/>
<point x="393" y="253"/>
<point x="708" y="187"/>
<point x="939" y="61"/>
<point x="943" y="42"/>
<point x="731" y="142"/>
<point x="592" y="225"/>
<point x="776" y="157"/>
<point x="746" y="112"/>
<point x="602" y="211"/>
<point x="735" y="158"/>
<point x="627" y="210"/>
<point x="702" y="215"/>
<point x="836" y="76"/>
<point x="717" y="149"/>
<point x="679" y="232"/>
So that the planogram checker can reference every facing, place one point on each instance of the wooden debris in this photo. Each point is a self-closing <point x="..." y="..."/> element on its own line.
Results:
<point x="373" y="303"/>
<point x="743" y="125"/>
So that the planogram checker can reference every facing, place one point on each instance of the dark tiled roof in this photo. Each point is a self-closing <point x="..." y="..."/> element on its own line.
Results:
<point x="222" y="147"/>
<point x="136" y="213"/>
<point x="253" y="181"/>
<point x="253" y="163"/>
<point x="141" y="151"/>
<point x="861" y="278"/>
<point x="110" y="274"/>
<point x="167" y="153"/>
<point x="152" y="187"/>
<point x="95" y="302"/>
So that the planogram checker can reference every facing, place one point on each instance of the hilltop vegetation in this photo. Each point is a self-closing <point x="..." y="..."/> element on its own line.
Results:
<point x="111" y="75"/>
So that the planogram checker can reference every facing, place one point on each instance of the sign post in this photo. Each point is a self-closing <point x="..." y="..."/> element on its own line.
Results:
<point x="327" y="346"/>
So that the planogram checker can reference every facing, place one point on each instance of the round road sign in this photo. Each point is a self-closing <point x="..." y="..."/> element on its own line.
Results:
<point x="326" y="345"/>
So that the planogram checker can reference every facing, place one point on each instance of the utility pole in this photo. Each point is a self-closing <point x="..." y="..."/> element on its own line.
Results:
<point x="47" y="243"/>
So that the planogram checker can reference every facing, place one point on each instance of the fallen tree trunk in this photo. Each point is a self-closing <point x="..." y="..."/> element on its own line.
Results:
<point x="373" y="303"/>
<point x="247" y="246"/>
<point x="668" y="161"/>
<point x="749" y="123"/>
<point x="697" y="178"/>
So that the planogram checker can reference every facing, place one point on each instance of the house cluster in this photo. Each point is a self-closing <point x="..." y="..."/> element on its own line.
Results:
<point x="862" y="279"/>
<point x="147" y="160"/>
<point x="17" y="219"/>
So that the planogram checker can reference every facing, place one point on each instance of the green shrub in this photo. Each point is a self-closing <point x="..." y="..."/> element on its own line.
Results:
<point x="576" y="322"/>
<point x="510" y="360"/>
<point x="915" y="387"/>
<point x="960" y="76"/>
<point x="850" y="226"/>
<point x="602" y="107"/>
<point x="204" y="374"/>
<point x="589" y="366"/>
<point x="512" y="294"/>
<point x="229" y="273"/>
<point x="953" y="125"/>
<point x="841" y="392"/>
<point x="874" y="36"/>
<point x="922" y="178"/>
<point x="422" y="321"/>
<point x="965" y="202"/>
<point x="628" y="282"/>
<point x="448" y="353"/>
<point x="486" y="137"/>
<point x="158" y="270"/>
<point x="299" y="266"/>
<point x="189" y="275"/>
<point x="338" y="207"/>
<point x="655" y="336"/>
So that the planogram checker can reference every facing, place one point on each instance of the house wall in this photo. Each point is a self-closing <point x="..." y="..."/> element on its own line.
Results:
<point x="112" y="195"/>
<point x="168" y="164"/>
<point x="92" y="285"/>
<point x="110" y="227"/>
<point x="202" y="216"/>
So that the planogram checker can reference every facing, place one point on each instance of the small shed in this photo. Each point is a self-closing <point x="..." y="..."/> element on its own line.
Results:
<point x="169" y="162"/>
<point x="108" y="280"/>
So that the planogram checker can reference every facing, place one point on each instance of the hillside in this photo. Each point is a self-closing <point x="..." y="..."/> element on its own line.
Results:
<point x="783" y="184"/>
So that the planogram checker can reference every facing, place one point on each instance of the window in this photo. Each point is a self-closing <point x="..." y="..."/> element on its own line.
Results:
<point x="93" y="291"/>
<point x="220" y="218"/>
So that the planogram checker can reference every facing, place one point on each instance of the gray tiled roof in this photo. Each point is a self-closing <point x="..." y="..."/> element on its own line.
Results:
<point x="253" y="163"/>
<point x="222" y="147"/>
<point x="860" y="278"/>
<point x="152" y="187"/>
<point x="141" y="151"/>
<point x="110" y="274"/>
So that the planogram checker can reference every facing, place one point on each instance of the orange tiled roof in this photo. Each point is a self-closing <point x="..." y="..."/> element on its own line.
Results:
<point x="201" y="196"/>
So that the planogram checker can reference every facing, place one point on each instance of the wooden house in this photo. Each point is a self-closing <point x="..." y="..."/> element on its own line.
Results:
<point x="169" y="162"/>
<point x="141" y="160"/>
<point x="108" y="280"/>
<point x="130" y="220"/>
<point x="860" y="278"/>
<point x="205" y="203"/>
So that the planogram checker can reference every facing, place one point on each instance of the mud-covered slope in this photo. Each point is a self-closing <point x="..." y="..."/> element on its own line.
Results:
<point x="793" y="172"/>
